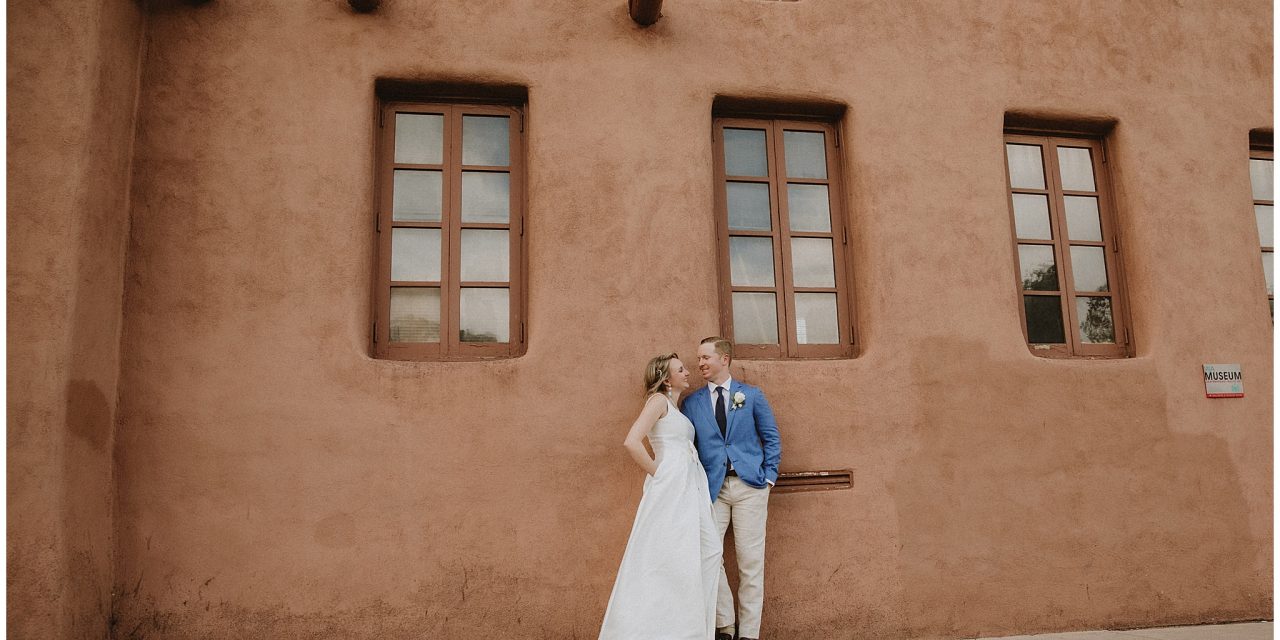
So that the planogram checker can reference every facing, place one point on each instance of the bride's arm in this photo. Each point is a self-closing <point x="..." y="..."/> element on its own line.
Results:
<point x="654" y="407"/>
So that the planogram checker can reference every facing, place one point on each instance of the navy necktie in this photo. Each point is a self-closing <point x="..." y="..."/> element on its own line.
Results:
<point x="721" y="418"/>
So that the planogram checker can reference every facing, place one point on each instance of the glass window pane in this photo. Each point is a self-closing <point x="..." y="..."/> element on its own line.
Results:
<point x="1089" y="268"/>
<point x="1076" y="168"/>
<point x="816" y="319"/>
<point x="1268" y="271"/>
<point x="1261" y="175"/>
<point x="484" y="315"/>
<point x="1044" y="319"/>
<point x="486" y="197"/>
<point x="1039" y="270"/>
<point x="486" y="255"/>
<point x="419" y="138"/>
<point x="1082" y="218"/>
<point x="744" y="153"/>
<point x="416" y="195"/>
<point x="1096" y="325"/>
<point x="1031" y="216"/>
<point x="809" y="207"/>
<point x="806" y="154"/>
<point x="755" y="318"/>
<point x="812" y="264"/>
<point x="748" y="204"/>
<point x="751" y="262"/>
<point x="1266" y="224"/>
<point x="415" y="314"/>
<point x="415" y="255"/>
<point x="1026" y="167"/>
<point x="486" y="140"/>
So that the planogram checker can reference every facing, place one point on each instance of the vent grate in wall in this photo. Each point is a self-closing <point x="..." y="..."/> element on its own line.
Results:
<point x="796" y="481"/>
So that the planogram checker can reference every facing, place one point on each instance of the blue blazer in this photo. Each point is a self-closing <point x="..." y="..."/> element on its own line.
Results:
<point x="751" y="438"/>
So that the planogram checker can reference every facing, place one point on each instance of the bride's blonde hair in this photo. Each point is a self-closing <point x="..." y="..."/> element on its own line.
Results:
<point x="658" y="372"/>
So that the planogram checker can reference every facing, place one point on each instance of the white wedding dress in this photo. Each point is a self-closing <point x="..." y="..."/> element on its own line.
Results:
<point x="666" y="586"/>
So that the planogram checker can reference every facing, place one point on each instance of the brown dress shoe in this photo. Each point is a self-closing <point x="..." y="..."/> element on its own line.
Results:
<point x="720" y="635"/>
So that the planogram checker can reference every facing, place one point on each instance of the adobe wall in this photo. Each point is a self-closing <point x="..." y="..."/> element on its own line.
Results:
<point x="276" y="481"/>
<point x="72" y="89"/>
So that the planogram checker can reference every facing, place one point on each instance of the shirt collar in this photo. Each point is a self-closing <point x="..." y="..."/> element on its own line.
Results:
<point x="711" y="386"/>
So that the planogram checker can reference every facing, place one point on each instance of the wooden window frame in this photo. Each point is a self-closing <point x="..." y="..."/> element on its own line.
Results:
<point x="450" y="347"/>
<point x="784" y="289"/>
<point x="1074" y="347"/>
<point x="1264" y="152"/>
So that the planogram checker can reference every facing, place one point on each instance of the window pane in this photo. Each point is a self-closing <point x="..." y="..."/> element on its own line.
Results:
<point x="486" y="197"/>
<point x="755" y="318"/>
<point x="1082" y="218"/>
<point x="1044" y="319"/>
<point x="415" y="314"/>
<point x="1261" y="174"/>
<point x="1026" y="167"/>
<point x="1031" y="216"/>
<point x="419" y="138"/>
<point x="744" y="153"/>
<point x="806" y="154"/>
<point x="1268" y="271"/>
<point x="748" y="204"/>
<point x="486" y="140"/>
<point x="1266" y="224"/>
<point x="415" y="255"/>
<point x="751" y="262"/>
<point x="1076" y="168"/>
<point x="816" y="319"/>
<point x="809" y="207"/>
<point x="1096" y="325"/>
<point x="484" y="315"/>
<point x="1089" y="269"/>
<point x="486" y="255"/>
<point x="811" y="262"/>
<point x="1039" y="270"/>
<point x="416" y="195"/>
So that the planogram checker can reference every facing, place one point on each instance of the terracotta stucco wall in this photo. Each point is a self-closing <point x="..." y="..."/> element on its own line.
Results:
<point x="72" y="87"/>
<point x="276" y="481"/>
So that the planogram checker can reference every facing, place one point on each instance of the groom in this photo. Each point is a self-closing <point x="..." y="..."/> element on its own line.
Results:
<point x="740" y="449"/>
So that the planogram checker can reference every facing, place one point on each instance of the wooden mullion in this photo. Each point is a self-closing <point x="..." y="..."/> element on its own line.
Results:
<point x="782" y="243"/>
<point x="750" y="233"/>
<point x="755" y="179"/>
<point x="1058" y="221"/>
<point x="408" y="166"/>
<point x="451" y="293"/>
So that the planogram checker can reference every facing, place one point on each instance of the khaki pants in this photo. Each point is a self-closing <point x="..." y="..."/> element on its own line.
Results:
<point x="747" y="508"/>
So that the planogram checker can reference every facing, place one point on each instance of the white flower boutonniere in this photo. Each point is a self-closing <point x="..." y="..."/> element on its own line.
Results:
<point x="739" y="399"/>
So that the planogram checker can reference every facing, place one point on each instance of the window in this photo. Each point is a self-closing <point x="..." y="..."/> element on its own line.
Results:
<point x="1064" y="233"/>
<point x="1260" y="174"/>
<point x="449" y="231"/>
<point x="782" y="239"/>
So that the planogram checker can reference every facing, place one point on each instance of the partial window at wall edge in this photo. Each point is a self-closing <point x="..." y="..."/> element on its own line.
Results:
<point x="1064" y="228"/>
<point x="449" y="278"/>
<point x="782" y="236"/>
<point x="1262" y="184"/>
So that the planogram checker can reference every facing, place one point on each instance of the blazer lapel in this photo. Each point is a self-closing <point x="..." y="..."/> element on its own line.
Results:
<point x="700" y="400"/>
<point x="733" y="414"/>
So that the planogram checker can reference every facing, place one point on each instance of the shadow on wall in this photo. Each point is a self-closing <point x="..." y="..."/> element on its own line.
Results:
<point x="1062" y="500"/>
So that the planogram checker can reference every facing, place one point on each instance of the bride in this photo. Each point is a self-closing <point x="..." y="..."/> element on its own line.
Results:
<point x="666" y="586"/>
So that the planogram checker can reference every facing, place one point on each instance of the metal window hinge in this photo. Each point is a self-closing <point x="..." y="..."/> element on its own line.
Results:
<point x="377" y="224"/>
<point x="837" y="138"/>
<point x="521" y="122"/>
<point x="1104" y="154"/>
<point x="375" y="332"/>
<point x="382" y="118"/>
<point x="845" y="233"/>
<point x="522" y="332"/>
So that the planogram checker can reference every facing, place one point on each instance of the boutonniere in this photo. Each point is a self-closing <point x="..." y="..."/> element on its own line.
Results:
<point x="739" y="399"/>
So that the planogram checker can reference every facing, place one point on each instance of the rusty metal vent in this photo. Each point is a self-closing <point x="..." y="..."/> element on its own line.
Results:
<point x="814" y="481"/>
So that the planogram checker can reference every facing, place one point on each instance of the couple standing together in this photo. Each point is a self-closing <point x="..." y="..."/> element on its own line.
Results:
<point x="714" y="462"/>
